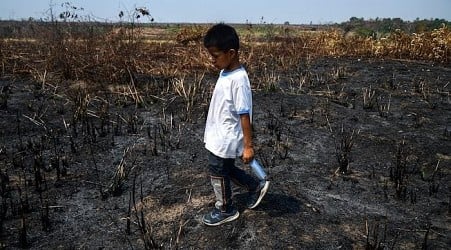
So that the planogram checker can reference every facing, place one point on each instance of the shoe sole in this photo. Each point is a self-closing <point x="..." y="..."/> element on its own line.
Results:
<point x="262" y="194"/>
<point x="229" y="219"/>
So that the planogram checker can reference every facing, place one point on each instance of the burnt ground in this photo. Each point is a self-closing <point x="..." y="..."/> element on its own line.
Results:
<point x="73" y="182"/>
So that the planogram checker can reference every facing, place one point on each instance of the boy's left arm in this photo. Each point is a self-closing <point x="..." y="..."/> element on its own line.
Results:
<point x="248" y="153"/>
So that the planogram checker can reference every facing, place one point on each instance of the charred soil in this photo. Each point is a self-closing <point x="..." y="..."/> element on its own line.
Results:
<point x="358" y="155"/>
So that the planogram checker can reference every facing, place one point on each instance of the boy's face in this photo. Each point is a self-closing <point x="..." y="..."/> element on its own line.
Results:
<point x="223" y="59"/>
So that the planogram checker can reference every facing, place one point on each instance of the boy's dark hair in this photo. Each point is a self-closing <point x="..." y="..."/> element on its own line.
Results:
<point x="223" y="37"/>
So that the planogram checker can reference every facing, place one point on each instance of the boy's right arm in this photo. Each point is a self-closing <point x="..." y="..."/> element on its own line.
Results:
<point x="248" y="152"/>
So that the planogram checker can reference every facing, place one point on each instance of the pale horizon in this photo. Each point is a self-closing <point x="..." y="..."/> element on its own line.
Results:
<point x="204" y="11"/>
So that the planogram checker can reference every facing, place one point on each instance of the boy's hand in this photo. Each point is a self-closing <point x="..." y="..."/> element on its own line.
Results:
<point x="248" y="154"/>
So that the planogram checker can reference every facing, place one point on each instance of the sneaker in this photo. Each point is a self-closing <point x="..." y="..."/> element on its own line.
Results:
<point x="256" y="197"/>
<point x="216" y="217"/>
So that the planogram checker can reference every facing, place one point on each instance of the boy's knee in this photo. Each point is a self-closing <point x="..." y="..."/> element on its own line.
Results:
<point x="217" y="166"/>
<point x="216" y="170"/>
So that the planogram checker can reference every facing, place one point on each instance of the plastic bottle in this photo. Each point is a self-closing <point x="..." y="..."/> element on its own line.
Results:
<point x="258" y="170"/>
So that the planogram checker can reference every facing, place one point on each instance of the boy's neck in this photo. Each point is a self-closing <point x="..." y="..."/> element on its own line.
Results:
<point x="233" y="66"/>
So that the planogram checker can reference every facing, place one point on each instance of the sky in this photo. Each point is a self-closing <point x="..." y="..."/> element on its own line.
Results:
<point x="235" y="11"/>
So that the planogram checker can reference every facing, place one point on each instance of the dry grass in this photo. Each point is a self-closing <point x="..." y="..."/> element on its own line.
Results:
<point x="116" y="55"/>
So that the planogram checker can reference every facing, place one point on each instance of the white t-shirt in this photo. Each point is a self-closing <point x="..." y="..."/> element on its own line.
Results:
<point x="231" y="98"/>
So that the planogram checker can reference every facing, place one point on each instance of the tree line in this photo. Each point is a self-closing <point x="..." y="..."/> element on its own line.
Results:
<point x="383" y="26"/>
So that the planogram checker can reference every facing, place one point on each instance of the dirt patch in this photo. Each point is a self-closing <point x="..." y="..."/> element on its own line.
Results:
<point x="136" y="176"/>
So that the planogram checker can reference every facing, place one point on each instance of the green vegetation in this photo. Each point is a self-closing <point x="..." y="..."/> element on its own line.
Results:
<point x="384" y="26"/>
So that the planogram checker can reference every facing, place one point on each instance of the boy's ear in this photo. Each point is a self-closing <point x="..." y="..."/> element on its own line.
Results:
<point x="233" y="52"/>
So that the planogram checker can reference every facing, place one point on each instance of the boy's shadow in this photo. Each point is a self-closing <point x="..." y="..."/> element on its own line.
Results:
<point x="275" y="204"/>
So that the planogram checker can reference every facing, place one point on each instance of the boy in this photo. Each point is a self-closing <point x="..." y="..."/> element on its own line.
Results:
<point x="228" y="132"/>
